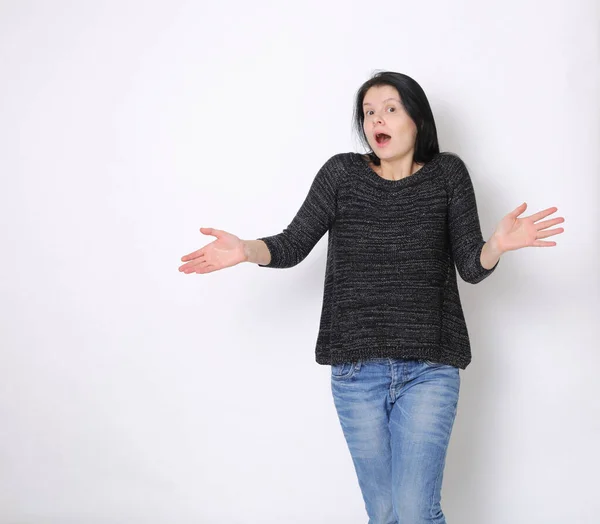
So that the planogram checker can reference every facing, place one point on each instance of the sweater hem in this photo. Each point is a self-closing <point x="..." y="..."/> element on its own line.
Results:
<point x="404" y="353"/>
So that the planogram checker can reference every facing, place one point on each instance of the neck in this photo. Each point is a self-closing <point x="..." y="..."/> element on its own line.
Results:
<point x="398" y="167"/>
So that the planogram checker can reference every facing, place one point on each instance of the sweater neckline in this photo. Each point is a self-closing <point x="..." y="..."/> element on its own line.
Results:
<point x="416" y="177"/>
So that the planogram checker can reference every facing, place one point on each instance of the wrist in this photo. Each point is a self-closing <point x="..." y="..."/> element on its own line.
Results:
<point x="246" y="250"/>
<point x="495" y="246"/>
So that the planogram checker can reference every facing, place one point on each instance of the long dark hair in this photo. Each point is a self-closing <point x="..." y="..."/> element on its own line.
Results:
<point x="416" y="105"/>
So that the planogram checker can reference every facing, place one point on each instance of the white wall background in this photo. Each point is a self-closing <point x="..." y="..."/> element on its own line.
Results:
<point x="132" y="393"/>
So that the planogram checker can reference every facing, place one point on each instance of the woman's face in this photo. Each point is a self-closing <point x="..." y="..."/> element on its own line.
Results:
<point x="384" y="113"/>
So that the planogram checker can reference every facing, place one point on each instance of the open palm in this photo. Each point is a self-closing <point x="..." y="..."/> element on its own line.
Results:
<point x="226" y="251"/>
<point x="514" y="233"/>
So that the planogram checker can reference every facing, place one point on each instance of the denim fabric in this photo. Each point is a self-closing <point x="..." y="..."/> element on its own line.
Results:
<point x="397" y="416"/>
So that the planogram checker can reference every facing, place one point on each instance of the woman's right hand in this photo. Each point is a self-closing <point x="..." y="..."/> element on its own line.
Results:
<point x="226" y="251"/>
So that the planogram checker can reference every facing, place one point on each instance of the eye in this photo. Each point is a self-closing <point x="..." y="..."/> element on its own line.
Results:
<point x="389" y="107"/>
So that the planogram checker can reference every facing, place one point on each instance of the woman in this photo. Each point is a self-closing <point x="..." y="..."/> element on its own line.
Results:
<point x="401" y="220"/>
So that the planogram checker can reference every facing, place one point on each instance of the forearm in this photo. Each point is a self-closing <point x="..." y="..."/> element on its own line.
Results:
<point x="257" y="252"/>
<point x="490" y="254"/>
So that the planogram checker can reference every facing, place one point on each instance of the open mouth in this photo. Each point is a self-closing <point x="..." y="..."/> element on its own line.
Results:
<point x="382" y="139"/>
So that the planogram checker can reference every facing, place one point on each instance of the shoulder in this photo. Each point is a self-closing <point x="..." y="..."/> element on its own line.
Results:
<point x="450" y="162"/>
<point x="453" y="167"/>
<point x="342" y="161"/>
<point x="339" y="166"/>
<point x="336" y="162"/>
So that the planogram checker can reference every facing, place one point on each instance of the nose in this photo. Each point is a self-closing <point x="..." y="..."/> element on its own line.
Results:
<point x="376" y="119"/>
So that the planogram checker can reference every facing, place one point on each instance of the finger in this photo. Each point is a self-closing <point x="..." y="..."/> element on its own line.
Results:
<point x="544" y="213"/>
<point x="193" y="255"/>
<point x="208" y="268"/>
<point x="198" y="265"/>
<point x="190" y="266"/>
<point x="542" y="243"/>
<point x="550" y="232"/>
<point x="548" y="223"/>
<point x="199" y="268"/>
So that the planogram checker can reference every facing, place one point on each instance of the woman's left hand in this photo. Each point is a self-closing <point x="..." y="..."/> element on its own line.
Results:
<point x="514" y="233"/>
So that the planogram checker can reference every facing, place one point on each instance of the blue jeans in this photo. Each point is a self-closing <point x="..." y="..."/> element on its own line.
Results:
<point x="397" y="417"/>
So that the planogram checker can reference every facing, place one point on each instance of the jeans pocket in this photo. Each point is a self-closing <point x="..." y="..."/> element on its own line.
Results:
<point x="343" y="370"/>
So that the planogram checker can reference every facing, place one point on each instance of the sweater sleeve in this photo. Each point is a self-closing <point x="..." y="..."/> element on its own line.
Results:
<point x="313" y="219"/>
<point x="466" y="240"/>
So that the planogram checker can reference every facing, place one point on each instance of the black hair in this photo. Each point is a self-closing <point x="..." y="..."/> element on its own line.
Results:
<point x="415" y="104"/>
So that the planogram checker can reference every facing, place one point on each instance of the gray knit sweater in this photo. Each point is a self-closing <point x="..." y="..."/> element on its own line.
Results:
<point x="393" y="245"/>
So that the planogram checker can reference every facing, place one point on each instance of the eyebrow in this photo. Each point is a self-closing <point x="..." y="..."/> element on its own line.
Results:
<point x="395" y="99"/>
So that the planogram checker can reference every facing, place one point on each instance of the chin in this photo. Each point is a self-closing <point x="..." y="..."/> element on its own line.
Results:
<point x="386" y="153"/>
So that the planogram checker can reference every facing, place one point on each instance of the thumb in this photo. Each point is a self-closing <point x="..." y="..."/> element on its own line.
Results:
<point x="210" y="231"/>
<point x="516" y="212"/>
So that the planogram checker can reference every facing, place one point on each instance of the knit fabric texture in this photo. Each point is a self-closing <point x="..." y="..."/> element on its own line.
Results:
<point x="393" y="249"/>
